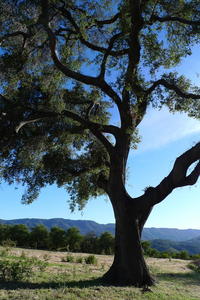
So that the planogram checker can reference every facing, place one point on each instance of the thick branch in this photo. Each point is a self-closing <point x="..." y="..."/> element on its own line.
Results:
<point x="23" y="123"/>
<point x="136" y="25"/>
<point x="95" y="128"/>
<point x="177" y="178"/>
<point x="141" y="110"/>
<point x="89" y="80"/>
<point x="134" y="49"/>
<point x="172" y="87"/>
<point x="107" y="53"/>
<point x="174" y="19"/>
<point x="108" y="21"/>
<point x="92" y="125"/>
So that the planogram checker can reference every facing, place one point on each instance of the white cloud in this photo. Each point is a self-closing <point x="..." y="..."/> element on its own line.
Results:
<point x="160" y="128"/>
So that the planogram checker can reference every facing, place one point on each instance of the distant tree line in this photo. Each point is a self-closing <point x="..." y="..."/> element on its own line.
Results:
<point x="39" y="237"/>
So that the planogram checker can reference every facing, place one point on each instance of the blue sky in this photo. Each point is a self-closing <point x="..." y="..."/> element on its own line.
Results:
<point x="164" y="137"/>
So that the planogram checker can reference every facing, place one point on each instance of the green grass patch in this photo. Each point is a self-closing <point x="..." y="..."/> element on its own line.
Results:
<point x="80" y="281"/>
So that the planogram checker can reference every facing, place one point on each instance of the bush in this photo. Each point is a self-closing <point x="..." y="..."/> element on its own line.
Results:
<point x="91" y="260"/>
<point x="79" y="260"/>
<point x="15" y="270"/>
<point x="4" y="252"/>
<point x="68" y="258"/>
<point x="195" y="266"/>
<point x="8" y="243"/>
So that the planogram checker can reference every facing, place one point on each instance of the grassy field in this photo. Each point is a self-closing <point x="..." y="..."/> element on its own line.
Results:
<point x="75" y="280"/>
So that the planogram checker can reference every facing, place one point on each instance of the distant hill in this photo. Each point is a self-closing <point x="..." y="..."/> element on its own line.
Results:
<point x="84" y="226"/>
<point x="192" y="246"/>
<point x="171" y="234"/>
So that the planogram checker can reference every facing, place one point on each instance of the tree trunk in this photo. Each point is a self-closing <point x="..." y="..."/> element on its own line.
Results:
<point x="129" y="267"/>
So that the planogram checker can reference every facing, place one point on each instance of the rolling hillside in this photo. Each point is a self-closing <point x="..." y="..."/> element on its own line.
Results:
<point x="172" y="234"/>
<point x="192" y="246"/>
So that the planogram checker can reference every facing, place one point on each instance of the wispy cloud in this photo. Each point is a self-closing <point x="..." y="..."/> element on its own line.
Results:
<point x="160" y="128"/>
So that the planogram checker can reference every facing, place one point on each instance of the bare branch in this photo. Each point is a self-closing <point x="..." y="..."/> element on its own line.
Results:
<point x="95" y="128"/>
<point x="177" y="178"/>
<point x="172" y="87"/>
<point x="23" y="123"/>
<point x="173" y="19"/>
<point x="108" y="21"/>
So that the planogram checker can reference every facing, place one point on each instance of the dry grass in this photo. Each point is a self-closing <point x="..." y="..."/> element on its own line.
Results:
<point x="74" y="281"/>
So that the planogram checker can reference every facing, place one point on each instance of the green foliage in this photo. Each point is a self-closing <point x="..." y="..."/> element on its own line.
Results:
<point x="4" y="251"/>
<point x="8" y="243"/>
<point x="73" y="239"/>
<point x="19" y="234"/>
<point x="91" y="260"/>
<point x="68" y="258"/>
<point x="90" y="243"/>
<point x="57" y="238"/>
<point x="72" y="282"/>
<point x="65" y="150"/>
<point x="39" y="237"/>
<point x="79" y="259"/>
<point x="106" y="243"/>
<point x="15" y="270"/>
<point x="19" y="269"/>
<point x="195" y="266"/>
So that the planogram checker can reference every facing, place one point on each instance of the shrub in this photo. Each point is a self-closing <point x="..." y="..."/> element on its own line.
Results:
<point x="8" y="243"/>
<point x="195" y="266"/>
<point x="91" y="260"/>
<point x="165" y="255"/>
<point x="68" y="258"/>
<point x="79" y="259"/>
<point x="20" y="269"/>
<point x="184" y="255"/>
<point x="37" y="263"/>
<point x="4" y="252"/>
<point x="15" y="270"/>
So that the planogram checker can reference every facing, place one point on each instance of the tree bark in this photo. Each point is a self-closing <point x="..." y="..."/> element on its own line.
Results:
<point x="129" y="267"/>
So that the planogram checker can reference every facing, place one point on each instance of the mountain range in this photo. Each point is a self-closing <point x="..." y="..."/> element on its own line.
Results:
<point x="162" y="239"/>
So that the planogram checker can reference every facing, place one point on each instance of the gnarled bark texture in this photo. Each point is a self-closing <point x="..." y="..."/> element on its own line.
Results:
<point x="129" y="267"/>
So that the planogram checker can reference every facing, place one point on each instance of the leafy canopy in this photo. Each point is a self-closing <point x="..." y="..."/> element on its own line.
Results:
<point x="58" y="59"/>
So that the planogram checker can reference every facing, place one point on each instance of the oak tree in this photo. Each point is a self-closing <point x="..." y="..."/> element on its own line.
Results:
<point x="66" y="67"/>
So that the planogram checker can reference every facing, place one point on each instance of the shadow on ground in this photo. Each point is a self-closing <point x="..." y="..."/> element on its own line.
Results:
<point x="191" y="278"/>
<point x="11" y="285"/>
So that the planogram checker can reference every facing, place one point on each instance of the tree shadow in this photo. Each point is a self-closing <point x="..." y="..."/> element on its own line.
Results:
<point x="81" y="284"/>
<point x="191" y="278"/>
